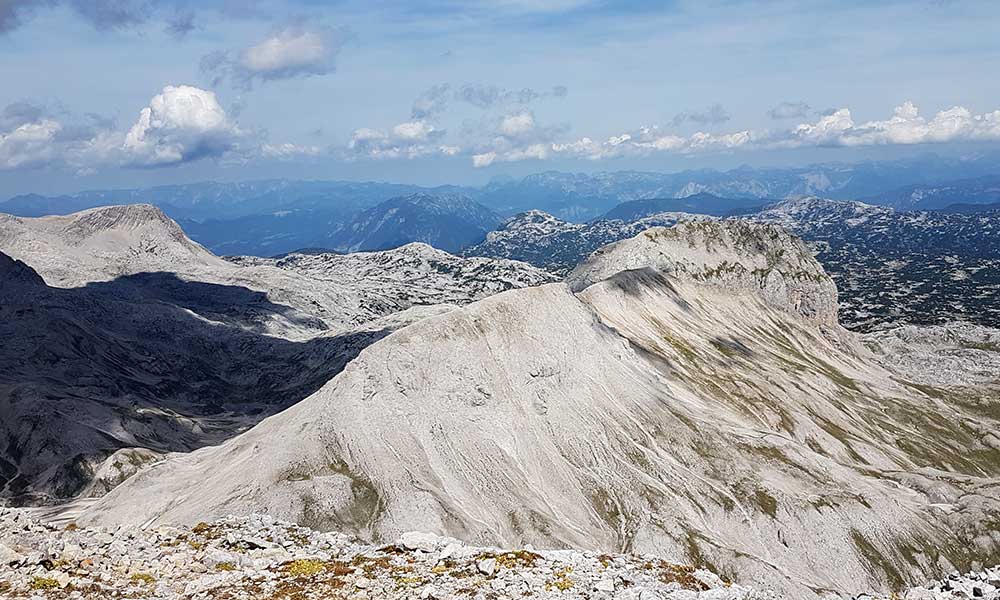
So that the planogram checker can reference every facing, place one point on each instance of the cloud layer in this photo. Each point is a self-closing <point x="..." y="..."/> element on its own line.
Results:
<point x="837" y="129"/>
<point x="181" y="124"/>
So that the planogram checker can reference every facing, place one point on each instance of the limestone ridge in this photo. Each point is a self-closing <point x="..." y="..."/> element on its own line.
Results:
<point x="101" y="244"/>
<point x="734" y="255"/>
<point x="141" y="246"/>
<point x="658" y="403"/>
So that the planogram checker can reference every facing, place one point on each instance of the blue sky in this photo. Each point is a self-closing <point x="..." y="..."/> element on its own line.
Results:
<point x="103" y="93"/>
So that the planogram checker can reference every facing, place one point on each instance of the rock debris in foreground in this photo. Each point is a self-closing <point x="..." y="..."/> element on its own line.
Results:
<point x="262" y="558"/>
<point x="259" y="557"/>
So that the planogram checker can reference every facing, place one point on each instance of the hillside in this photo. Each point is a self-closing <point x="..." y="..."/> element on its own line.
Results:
<point x="131" y="341"/>
<point x="688" y="394"/>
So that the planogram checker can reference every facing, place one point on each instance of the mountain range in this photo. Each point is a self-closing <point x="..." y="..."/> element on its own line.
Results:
<point x="267" y="218"/>
<point x="686" y="392"/>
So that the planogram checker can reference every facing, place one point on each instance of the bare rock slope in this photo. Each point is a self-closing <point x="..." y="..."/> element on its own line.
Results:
<point x="691" y="399"/>
<point x="128" y="340"/>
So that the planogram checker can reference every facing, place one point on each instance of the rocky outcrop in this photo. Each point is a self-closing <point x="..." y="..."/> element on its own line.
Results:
<point x="736" y="255"/>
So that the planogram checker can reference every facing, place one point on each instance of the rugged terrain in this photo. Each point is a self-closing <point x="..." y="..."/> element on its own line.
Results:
<point x="262" y="558"/>
<point x="894" y="267"/>
<point x="543" y="240"/>
<point x="131" y="341"/>
<point x="687" y="394"/>
<point x="890" y="267"/>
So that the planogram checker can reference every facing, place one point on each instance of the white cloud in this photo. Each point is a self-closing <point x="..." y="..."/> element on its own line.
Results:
<point x="413" y="131"/>
<point x="411" y="139"/>
<point x="287" y="51"/>
<point x="295" y="51"/>
<point x="643" y="142"/>
<point x="517" y="124"/>
<point x="838" y="128"/>
<point x="483" y="160"/>
<point x="905" y="127"/>
<point x="29" y="144"/>
<point x="181" y="124"/>
<point x="288" y="151"/>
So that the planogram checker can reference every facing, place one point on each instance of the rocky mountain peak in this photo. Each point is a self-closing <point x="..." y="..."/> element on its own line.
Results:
<point x="733" y="254"/>
<point x="123" y="218"/>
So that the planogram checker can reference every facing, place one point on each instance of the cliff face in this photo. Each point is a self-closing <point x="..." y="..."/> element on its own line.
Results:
<point x="687" y="393"/>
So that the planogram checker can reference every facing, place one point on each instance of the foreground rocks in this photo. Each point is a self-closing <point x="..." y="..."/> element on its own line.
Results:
<point x="258" y="557"/>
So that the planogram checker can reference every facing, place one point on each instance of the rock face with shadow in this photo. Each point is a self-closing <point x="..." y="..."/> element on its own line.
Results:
<point x="86" y="372"/>
<point x="659" y="403"/>
<point x="130" y="341"/>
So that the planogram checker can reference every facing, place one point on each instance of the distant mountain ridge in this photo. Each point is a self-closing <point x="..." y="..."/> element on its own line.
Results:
<point x="449" y="222"/>
<point x="938" y="196"/>
<point x="271" y="217"/>
<point x="701" y="203"/>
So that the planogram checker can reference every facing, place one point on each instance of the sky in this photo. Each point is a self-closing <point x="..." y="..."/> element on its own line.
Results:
<point x="132" y="93"/>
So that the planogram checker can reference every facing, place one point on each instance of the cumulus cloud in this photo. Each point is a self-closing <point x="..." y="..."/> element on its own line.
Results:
<point x="789" y="110"/>
<point x="19" y="113"/>
<point x="35" y="135"/>
<point x="289" y="151"/>
<point x="531" y="152"/>
<point x="837" y="128"/>
<point x="713" y="115"/>
<point x="295" y="51"/>
<point x="517" y="125"/>
<point x="181" y="124"/>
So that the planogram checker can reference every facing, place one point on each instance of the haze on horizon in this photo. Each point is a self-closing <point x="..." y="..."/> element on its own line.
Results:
<point x="131" y="93"/>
